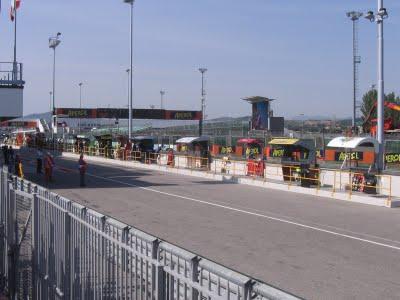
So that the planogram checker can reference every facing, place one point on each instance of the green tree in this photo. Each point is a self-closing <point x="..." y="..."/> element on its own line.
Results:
<point x="369" y="112"/>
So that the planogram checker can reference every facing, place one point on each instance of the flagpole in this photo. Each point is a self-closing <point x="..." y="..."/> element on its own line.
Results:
<point x="15" y="41"/>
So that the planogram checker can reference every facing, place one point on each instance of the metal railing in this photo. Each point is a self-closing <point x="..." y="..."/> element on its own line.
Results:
<point x="54" y="248"/>
<point x="333" y="180"/>
<point x="11" y="73"/>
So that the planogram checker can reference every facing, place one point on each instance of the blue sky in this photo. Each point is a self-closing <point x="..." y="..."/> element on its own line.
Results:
<point x="298" y="52"/>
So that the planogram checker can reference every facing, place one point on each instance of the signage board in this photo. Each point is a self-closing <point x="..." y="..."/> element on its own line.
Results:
<point x="392" y="158"/>
<point x="117" y="113"/>
<point x="355" y="156"/>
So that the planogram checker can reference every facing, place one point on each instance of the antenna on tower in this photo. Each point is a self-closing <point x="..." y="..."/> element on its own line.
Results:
<point x="354" y="17"/>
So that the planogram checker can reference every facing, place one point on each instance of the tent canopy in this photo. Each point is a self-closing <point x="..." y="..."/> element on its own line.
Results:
<point x="284" y="141"/>
<point x="248" y="141"/>
<point x="353" y="142"/>
<point x="190" y="140"/>
<point x="142" y="138"/>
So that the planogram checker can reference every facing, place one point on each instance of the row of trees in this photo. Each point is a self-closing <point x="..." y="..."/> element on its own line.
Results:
<point x="368" y="101"/>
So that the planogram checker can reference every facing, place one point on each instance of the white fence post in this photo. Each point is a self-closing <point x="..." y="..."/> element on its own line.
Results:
<point x="67" y="286"/>
<point x="158" y="273"/>
<point x="35" y="245"/>
<point x="12" y="237"/>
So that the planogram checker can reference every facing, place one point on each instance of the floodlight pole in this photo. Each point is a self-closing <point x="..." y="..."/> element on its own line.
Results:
<point x="162" y="93"/>
<point x="51" y="100"/>
<point x="80" y="104"/>
<point x="53" y="43"/>
<point x="381" y="91"/>
<point x="379" y="17"/>
<point x="128" y="71"/>
<point x="15" y="66"/>
<point x="203" y="100"/>
<point x="354" y="17"/>
<point x="54" y="120"/>
<point x="130" y="2"/>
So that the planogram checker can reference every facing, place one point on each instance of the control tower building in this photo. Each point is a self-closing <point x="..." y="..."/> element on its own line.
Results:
<point x="11" y="91"/>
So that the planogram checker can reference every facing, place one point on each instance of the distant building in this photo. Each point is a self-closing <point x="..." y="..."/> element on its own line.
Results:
<point x="11" y="91"/>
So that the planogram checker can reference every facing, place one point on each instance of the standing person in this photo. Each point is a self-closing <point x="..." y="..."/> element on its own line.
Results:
<point x="81" y="147"/>
<point x="48" y="167"/>
<point x="11" y="154"/>
<point x="10" y="159"/>
<point x="82" y="170"/>
<point x="39" y="161"/>
<point x="5" y="154"/>
<point x="18" y="167"/>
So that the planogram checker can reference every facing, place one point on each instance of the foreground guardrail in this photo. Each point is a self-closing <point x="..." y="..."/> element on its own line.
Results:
<point x="54" y="248"/>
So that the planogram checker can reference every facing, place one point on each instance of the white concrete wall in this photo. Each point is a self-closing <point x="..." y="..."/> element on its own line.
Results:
<point x="11" y="102"/>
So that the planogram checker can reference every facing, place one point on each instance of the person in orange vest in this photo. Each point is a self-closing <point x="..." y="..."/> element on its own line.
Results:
<point x="18" y="167"/>
<point x="48" y="167"/>
<point x="82" y="170"/>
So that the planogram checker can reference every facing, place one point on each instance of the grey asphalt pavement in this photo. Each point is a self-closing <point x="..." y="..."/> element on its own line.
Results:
<point x="314" y="247"/>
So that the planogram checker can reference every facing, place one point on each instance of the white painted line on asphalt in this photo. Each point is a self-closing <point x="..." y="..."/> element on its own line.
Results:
<point x="251" y="213"/>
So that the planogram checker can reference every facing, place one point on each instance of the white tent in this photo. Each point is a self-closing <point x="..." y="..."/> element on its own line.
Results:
<point x="189" y="140"/>
<point x="354" y="142"/>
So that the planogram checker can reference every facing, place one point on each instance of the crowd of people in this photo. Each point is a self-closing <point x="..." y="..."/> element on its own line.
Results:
<point x="13" y="161"/>
<point x="44" y="161"/>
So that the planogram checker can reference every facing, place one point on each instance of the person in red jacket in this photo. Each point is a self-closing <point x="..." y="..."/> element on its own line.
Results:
<point x="48" y="167"/>
<point x="82" y="170"/>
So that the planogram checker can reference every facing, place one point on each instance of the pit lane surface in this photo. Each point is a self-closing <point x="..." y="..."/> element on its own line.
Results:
<point x="313" y="247"/>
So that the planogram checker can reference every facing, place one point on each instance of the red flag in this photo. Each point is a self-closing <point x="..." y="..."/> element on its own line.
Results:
<point x="15" y="4"/>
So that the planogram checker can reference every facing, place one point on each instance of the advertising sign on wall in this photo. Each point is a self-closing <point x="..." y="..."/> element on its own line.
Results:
<point x="341" y="156"/>
<point x="116" y="113"/>
<point x="392" y="158"/>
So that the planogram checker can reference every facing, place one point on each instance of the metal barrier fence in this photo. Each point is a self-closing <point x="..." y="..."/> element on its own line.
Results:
<point x="54" y="248"/>
<point x="333" y="180"/>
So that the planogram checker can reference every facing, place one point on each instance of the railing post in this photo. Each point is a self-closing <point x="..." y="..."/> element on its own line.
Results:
<point x="158" y="272"/>
<point x="35" y="245"/>
<point x="125" y="260"/>
<point x="103" y="252"/>
<point x="351" y="185"/>
<point x="15" y="182"/>
<point x="12" y="237"/>
<point x="195" y="276"/>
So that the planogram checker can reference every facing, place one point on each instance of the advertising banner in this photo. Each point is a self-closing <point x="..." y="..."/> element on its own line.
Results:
<point x="117" y="113"/>
<point x="392" y="158"/>
<point x="341" y="156"/>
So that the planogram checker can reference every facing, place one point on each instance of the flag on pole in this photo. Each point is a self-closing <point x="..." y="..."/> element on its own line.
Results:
<point x="15" y="4"/>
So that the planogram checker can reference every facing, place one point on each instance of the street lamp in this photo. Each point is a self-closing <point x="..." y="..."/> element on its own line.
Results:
<point x="131" y="2"/>
<point x="53" y="43"/>
<point x="302" y="124"/>
<point x="128" y="72"/>
<point x="203" y="100"/>
<point x="80" y="104"/>
<point x="381" y="15"/>
<point x="51" y="99"/>
<point x="162" y="93"/>
<point x="354" y="17"/>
